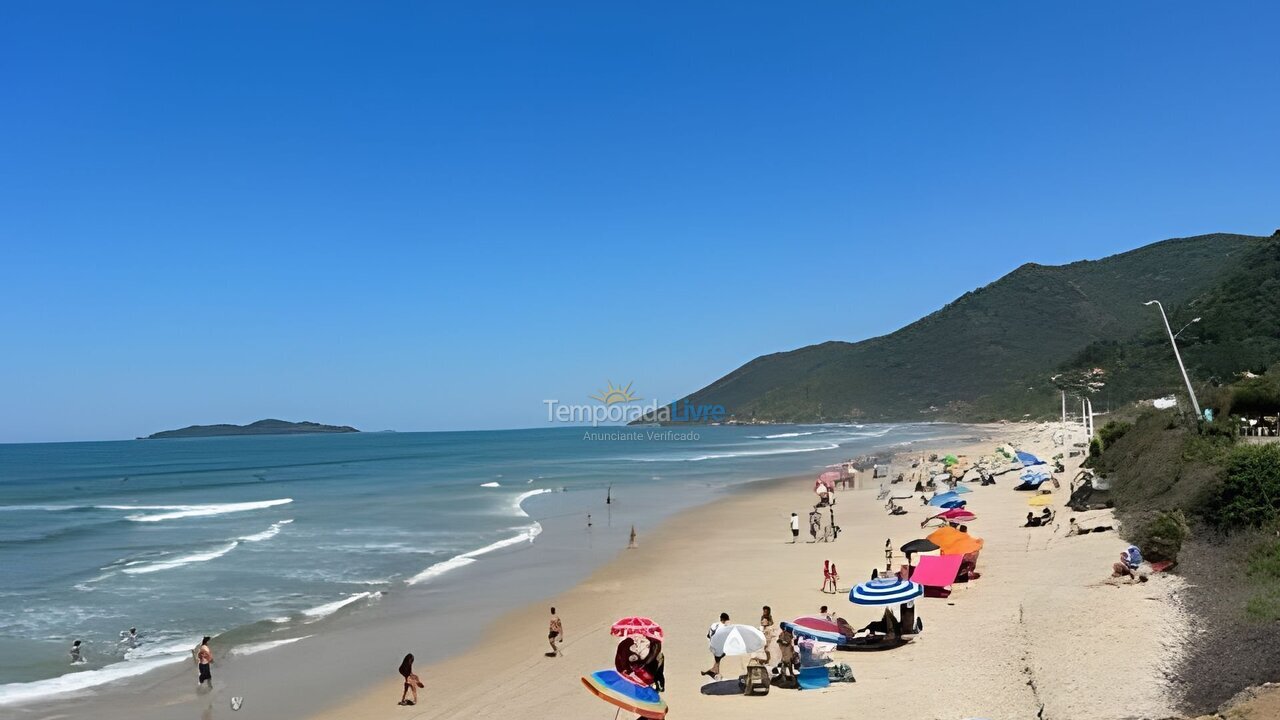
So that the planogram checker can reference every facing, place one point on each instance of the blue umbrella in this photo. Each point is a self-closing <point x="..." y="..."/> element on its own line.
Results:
<point x="885" y="591"/>
<point x="1032" y="476"/>
<point x="1028" y="459"/>
<point x="944" y="498"/>
<point x="953" y="504"/>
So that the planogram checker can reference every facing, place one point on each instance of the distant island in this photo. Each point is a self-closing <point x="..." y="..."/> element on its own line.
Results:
<point x="262" y="427"/>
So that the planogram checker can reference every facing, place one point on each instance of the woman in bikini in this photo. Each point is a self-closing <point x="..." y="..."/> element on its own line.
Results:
<point x="411" y="681"/>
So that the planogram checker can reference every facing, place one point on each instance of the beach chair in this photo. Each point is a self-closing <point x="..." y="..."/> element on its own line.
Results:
<point x="756" y="681"/>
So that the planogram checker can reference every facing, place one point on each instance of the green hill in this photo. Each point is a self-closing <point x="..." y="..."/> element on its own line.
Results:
<point x="991" y="352"/>
<point x="262" y="427"/>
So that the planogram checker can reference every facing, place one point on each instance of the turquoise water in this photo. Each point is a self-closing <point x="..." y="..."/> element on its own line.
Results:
<point x="246" y="535"/>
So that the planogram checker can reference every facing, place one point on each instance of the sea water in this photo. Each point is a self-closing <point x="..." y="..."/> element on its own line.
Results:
<point x="187" y="537"/>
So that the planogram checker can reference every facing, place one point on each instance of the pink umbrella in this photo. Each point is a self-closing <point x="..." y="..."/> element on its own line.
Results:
<point x="830" y="477"/>
<point x="958" y="515"/>
<point x="629" y="626"/>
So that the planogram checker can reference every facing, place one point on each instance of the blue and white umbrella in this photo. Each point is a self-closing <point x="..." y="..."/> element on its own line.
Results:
<point x="943" y="498"/>
<point x="885" y="591"/>
<point x="1028" y="459"/>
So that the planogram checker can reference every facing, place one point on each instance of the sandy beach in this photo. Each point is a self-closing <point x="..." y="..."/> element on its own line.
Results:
<point x="1043" y="632"/>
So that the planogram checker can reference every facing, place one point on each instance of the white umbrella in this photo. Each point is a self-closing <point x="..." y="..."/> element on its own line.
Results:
<point x="737" y="640"/>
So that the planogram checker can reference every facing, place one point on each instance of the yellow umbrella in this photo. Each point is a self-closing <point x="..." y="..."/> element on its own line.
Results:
<point x="1039" y="500"/>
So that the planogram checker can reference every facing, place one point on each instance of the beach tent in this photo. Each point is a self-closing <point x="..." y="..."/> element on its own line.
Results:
<point x="937" y="570"/>
<point x="1027" y="458"/>
<point x="885" y="591"/>
<point x="737" y="640"/>
<point x="617" y="690"/>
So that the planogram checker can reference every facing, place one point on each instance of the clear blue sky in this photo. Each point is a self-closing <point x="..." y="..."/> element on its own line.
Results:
<point x="435" y="215"/>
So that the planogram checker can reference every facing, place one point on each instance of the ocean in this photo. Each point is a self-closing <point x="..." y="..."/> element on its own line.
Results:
<point x="268" y="540"/>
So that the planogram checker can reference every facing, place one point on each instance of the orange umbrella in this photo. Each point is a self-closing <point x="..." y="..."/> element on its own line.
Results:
<point x="953" y="542"/>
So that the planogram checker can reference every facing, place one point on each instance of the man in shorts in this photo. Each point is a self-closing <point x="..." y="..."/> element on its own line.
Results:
<point x="795" y="528"/>
<point x="555" y="634"/>
<point x="204" y="659"/>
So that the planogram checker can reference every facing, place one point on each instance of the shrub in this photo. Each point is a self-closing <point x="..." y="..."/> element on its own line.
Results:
<point x="1161" y="536"/>
<point x="1112" y="432"/>
<point x="1249" y="494"/>
<point x="1095" y="449"/>
<point x="1263" y="570"/>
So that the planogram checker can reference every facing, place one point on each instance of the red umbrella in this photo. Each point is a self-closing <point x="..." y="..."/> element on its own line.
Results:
<point x="628" y="626"/>
<point x="829" y="477"/>
<point x="958" y="515"/>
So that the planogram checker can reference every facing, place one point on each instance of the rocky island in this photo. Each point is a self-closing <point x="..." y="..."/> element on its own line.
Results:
<point x="262" y="427"/>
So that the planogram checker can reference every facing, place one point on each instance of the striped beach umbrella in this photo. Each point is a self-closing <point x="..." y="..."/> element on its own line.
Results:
<point x="885" y="591"/>
<point x="628" y="626"/>
<point x="737" y="640"/>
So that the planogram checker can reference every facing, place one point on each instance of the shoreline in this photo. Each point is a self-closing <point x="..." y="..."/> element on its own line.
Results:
<point x="561" y="558"/>
<point x="1052" y="631"/>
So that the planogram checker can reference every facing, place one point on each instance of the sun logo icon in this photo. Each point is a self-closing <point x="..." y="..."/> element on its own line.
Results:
<point x="611" y="395"/>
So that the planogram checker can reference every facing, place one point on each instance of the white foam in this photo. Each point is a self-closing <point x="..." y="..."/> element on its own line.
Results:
<point x="465" y="559"/>
<point x="790" y="435"/>
<point x="63" y="685"/>
<point x="333" y="607"/>
<point x="45" y="508"/>
<point x="255" y="648"/>
<point x="199" y="557"/>
<point x="490" y="484"/>
<point x="177" y="512"/>
<point x="267" y="534"/>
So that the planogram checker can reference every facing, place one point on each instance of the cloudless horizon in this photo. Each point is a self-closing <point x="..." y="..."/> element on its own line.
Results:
<point x="435" y="216"/>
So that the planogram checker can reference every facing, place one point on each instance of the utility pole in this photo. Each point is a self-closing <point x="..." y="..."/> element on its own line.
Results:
<point x="1173" y="341"/>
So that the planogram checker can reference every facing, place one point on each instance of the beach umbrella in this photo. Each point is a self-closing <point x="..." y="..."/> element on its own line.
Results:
<point x="959" y="515"/>
<point x="829" y="478"/>
<point x="951" y="504"/>
<point x="628" y="626"/>
<point x="1040" y="475"/>
<point x="950" y="460"/>
<point x="963" y="546"/>
<point x="943" y="498"/>
<point x="1028" y="459"/>
<point x="737" y="640"/>
<point x="962" y="489"/>
<point x="937" y="571"/>
<point x="1040" y="500"/>
<point x="885" y="591"/>
<point x="918" y="546"/>
<point x="815" y="627"/>
<point x="617" y="690"/>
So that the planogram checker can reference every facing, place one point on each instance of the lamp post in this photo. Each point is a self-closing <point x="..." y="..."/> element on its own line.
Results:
<point x="1173" y="340"/>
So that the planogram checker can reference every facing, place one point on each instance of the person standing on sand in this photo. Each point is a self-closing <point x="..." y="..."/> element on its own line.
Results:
<point x="555" y="634"/>
<point x="204" y="659"/>
<point x="826" y="574"/>
<point x="795" y="528"/>
<point x="770" y="631"/>
<point x="411" y="681"/>
<point x="714" y="672"/>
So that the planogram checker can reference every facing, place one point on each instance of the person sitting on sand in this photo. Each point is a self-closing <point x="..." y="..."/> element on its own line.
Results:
<point x="1032" y="520"/>
<point x="1130" y="561"/>
<point x="826" y="615"/>
<point x="887" y="626"/>
<point x="1076" y="529"/>
<point x="411" y="681"/>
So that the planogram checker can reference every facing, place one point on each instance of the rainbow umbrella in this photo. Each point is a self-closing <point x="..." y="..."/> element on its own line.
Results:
<point x="628" y="626"/>
<point x="613" y="688"/>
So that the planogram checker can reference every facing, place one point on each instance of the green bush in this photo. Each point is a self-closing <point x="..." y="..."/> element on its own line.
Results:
<point x="1249" y="494"/>
<point x="1263" y="571"/>
<point x="1161" y="536"/>
<point x="1095" y="449"/>
<point x="1112" y="432"/>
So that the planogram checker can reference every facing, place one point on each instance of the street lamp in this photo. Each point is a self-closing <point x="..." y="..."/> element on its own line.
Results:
<point x="1184" y="327"/>
<point x="1173" y="341"/>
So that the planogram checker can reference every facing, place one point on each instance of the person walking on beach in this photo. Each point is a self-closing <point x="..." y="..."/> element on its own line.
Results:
<point x="795" y="528"/>
<point x="835" y="579"/>
<point x="555" y="634"/>
<point x="714" y="672"/>
<point x="826" y="575"/>
<point x="74" y="652"/>
<point x="204" y="659"/>
<point x="411" y="681"/>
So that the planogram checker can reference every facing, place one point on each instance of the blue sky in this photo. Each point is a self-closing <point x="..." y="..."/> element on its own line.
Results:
<point x="431" y="216"/>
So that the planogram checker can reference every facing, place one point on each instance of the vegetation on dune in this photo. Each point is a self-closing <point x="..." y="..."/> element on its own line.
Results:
<point x="999" y="351"/>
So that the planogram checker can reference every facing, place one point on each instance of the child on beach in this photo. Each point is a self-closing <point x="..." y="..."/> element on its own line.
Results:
<point x="411" y="681"/>
<point x="826" y="575"/>
<point x="770" y="631"/>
